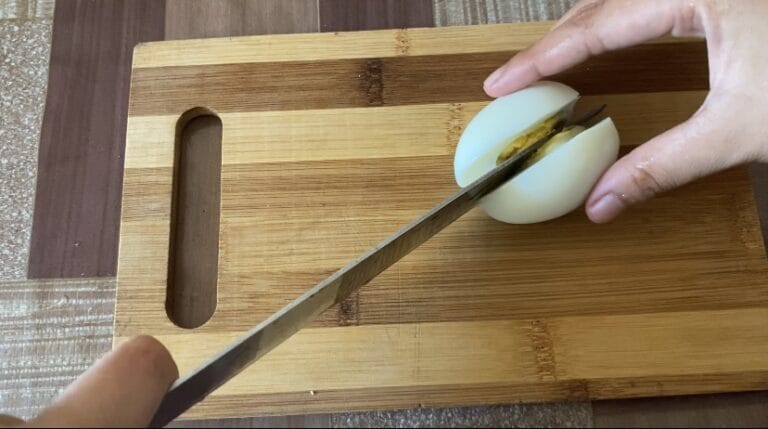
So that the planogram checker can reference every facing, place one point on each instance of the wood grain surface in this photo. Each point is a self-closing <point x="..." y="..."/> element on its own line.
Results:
<point x="355" y="15"/>
<point x="473" y="310"/>
<point x="77" y="204"/>
<point x="188" y="19"/>
<point x="744" y="409"/>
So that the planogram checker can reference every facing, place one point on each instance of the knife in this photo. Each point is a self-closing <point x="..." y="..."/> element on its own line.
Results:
<point x="268" y="334"/>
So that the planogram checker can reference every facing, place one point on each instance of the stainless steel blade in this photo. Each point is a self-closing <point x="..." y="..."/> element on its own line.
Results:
<point x="280" y="326"/>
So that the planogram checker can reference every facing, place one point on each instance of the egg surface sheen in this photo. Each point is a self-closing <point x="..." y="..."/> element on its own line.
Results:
<point x="553" y="186"/>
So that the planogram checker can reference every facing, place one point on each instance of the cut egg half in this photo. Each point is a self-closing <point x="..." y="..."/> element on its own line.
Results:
<point x="558" y="177"/>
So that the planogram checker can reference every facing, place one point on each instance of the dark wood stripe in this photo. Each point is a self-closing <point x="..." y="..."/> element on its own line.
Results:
<point x="76" y="220"/>
<point x="704" y="409"/>
<point x="188" y="19"/>
<point x="398" y="80"/>
<point x="758" y="173"/>
<point x="295" y="421"/>
<point x="745" y="409"/>
<point x="353" y="15"/>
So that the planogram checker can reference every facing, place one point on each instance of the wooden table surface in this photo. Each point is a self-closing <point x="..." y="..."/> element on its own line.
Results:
<point x="81" y="167"/>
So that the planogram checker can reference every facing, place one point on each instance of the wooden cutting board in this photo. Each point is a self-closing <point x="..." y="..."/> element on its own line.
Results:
<point x="331" y="142"/>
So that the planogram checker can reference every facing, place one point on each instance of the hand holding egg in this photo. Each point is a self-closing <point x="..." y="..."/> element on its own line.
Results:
<point x="729" y="128"/>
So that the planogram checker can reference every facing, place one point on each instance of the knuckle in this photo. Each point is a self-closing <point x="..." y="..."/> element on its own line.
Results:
<point x="645" y="184"/>
<point x="689" y="16"/>
<point x="582" y="21"/>
<point x="584" y="14"/>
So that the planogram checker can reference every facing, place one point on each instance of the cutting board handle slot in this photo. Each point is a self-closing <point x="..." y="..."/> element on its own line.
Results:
<point x="193" y="260"/>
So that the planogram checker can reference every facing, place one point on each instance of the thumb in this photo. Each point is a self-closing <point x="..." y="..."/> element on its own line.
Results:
<point x="123" y="389"/>
<point x="691" y="150"/>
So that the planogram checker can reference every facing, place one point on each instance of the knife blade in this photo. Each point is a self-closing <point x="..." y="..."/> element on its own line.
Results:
<point x="268" y="334"/>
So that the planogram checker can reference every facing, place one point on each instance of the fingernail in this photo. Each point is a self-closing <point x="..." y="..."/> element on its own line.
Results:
<point x="491" y="81"/>
<point x="605" y="209"/>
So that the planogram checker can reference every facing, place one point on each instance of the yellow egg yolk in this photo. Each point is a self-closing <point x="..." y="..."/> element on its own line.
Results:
<point x="553" y="143"/>
<point x="521" y="142"/>
<point x="540" y="131"/>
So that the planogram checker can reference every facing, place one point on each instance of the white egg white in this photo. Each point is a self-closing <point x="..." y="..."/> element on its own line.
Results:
<point x="555" y="185"/>
<point x="507" y="117"/>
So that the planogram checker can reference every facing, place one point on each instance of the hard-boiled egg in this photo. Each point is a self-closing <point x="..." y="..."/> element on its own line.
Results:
<point x="558" y="177"/>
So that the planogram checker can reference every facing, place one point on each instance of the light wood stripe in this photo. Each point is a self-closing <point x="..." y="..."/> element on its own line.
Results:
<point x="520" y="271"/>
<point x="401" y="131"/>
<point x="387" y="398"/>
<point x="338" y="45"/>
<point x="552" y="350"/>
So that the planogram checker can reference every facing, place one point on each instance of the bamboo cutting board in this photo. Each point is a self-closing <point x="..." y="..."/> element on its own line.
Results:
<point x="330" y="142"/>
